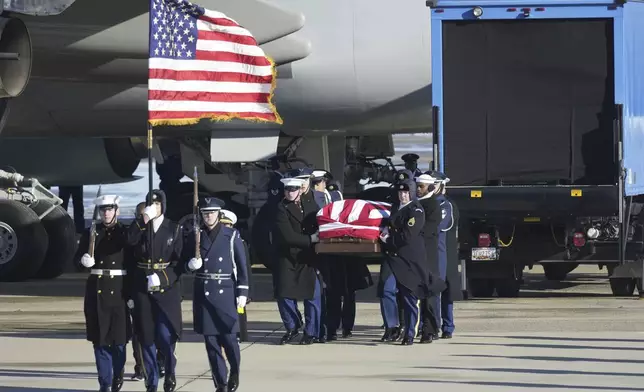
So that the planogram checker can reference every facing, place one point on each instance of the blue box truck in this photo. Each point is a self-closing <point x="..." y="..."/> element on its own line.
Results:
<point x="539" y="123"/>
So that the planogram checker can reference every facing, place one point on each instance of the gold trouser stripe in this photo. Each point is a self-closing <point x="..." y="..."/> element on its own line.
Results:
<point x="417" y="318"/>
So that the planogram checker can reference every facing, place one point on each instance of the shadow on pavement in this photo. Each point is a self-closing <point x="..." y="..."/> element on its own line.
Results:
<point x="524" y="385"/>
<point x="536" y="371"/>
<point x="552" y="346"/>
<point x="608" y="340"/>
<point x="557" y="359"/>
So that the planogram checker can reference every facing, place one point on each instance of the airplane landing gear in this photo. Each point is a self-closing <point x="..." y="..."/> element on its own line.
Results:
<point x="23" y="241"/>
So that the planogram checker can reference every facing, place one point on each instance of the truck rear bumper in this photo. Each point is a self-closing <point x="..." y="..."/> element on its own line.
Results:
<point x="503" y="203"/>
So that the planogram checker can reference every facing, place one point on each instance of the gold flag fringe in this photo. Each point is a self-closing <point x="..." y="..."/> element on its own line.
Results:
<point x="231" y="116"/>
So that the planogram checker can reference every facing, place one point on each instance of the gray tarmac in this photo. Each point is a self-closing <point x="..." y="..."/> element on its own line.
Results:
<point x="558" y="336"/>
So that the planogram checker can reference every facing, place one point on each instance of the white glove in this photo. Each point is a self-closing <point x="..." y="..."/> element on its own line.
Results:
<point x="384" y="234"/>
<point x="153" y="281"/>
<point x="195" y="264"/>
<point x="87" y="261"/>
<point x="150" y="211"/>
<point x="130" y="304"/>
<point x="315" y="237"/>
<point x="241" y="301"/>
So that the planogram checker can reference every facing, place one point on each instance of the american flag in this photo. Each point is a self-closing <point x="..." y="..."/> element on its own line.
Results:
<point x="205" y="65"/>
<point x="353" y="218"/>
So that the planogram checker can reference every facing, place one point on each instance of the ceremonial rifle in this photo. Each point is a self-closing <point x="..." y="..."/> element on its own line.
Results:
<point x="195" y="212"/>
<point x="92" y="230"/>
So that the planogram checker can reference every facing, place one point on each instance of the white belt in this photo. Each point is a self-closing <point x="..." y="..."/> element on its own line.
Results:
<point x="109" y="272"/>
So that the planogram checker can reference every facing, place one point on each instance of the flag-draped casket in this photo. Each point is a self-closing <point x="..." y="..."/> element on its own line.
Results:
<point x="357" y="219"/>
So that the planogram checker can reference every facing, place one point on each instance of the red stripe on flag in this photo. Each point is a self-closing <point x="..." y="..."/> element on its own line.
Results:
<point x="218" y="21"/>
<point x="165" y="115"/>
<point x="207" y="97"/>
<point x="219" y="36"/>
<point x="232" y="57"/>
<point x="208" y="76"/>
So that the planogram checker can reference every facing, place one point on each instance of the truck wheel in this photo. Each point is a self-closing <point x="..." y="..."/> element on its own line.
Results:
<point x="482" y="288"/>
<point x="23" y="241"/>
<point x="508" y="288"/>
<point x="622" y="287"/>
<point x="62" y="240"/>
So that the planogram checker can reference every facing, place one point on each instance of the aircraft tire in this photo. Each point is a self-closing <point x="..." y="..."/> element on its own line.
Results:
<point x="62" y="240"/>
<point x="23" y="242"/>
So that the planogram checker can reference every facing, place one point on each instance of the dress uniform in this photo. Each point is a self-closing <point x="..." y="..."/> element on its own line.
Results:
<point x="411" y="164"/>
<point x="229" y="219"/>
<point x="296" y="274"/>
<point x="220" y="289"/>
<point x="404" y="267"/>
<point x="156" y="290"/>
<point x="106" y="316"/>
<point x="342" y="275"/>
<point x="448" y="259"/>
<point x="427" y="187"/>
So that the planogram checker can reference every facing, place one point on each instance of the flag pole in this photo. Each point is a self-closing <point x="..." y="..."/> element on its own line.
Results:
<point x="150" y="188"/>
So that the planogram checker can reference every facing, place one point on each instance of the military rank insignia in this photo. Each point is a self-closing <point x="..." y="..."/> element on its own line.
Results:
<point x="411" y="222"/>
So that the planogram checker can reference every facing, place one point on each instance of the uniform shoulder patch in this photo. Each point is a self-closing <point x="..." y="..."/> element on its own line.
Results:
<point x="411" y="222"/>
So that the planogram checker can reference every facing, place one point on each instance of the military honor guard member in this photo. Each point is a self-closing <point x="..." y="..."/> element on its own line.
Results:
<point x="426" y="189"/>
<point x="156" y="290"/>
<point x="447" y="257"/>
<point x="229" y="219"/>
<point x="220" y="289"/>
<point x="411" y="164"/>
<point x="342" y="275"/>
<point x="404" y="267"/>
<point x="296" y="273"/>
<point x="106" y="317"/>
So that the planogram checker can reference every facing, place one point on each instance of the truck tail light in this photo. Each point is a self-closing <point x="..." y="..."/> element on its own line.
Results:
<point x="579" y="240"/>
<point x="484" y="240"/>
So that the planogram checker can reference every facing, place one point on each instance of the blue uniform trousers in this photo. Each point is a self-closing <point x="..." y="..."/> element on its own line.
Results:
<point x="444" y="304"/>
<point x="312" y="313"/>
<point x="389" y="307"/>
<point x="214" y="346"/>
<point x="324" y="303"/>
<point x="166" y="340"/>
<point x="110" y="361"/>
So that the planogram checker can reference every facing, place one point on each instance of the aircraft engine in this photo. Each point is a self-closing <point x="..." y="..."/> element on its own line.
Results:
<point x="72" y="161"/>
<point x="15" y="57"/>
<point x="15" y="62"/>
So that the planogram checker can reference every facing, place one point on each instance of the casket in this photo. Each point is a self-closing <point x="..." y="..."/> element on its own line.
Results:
<point x="351" y="226"/>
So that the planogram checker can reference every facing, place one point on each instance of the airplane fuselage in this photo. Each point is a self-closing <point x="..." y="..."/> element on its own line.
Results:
<point x="365" y="68"/>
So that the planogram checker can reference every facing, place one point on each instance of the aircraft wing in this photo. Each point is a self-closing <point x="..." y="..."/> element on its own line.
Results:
<point x="128" y="38"/>
<point x="287" y="49"/>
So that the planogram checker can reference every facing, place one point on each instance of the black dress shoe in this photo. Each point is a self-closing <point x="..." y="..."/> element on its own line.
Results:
<point x="391" y="335"/>
<point x="170" y="383"/>
<point x="435" y="336"/>
<point x="223" y="388"/>
<point x="233" y="382"/>
<point x="321" y="339"/>
<point x="161" y="370"/>
<point x="288" y="336"/>
<point x="151" y="389"/>
<point x="426" y="338"/>
<point x="306" y="340"/>
<point x="407" y="341"/>
<point x="347" y="333"/>
<point x="446" y="335"/>
<point x="332" y="337"/>
<point x="104" y="389"/>
<point x="117" y="383"/>
<point x="138" y="373"/>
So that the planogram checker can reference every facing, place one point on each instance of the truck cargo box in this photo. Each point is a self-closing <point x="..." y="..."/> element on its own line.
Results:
<point x="547" y="93"/>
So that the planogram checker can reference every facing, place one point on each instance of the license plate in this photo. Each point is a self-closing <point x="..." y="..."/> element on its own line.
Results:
<point x="483" y="253"/>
